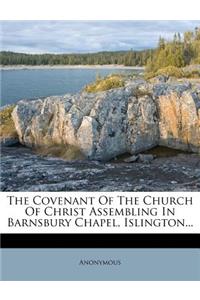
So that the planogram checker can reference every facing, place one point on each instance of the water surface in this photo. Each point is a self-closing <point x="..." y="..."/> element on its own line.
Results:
<point x="34" y="83"/>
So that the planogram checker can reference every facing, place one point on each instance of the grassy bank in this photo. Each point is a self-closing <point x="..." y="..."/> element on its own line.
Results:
<point x="105" y="83"/>
<point x="172" y="71"/>
<point x="7" y="127"/>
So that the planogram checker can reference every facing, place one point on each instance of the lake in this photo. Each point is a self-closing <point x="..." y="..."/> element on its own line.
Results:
<point x="34" y="83"/>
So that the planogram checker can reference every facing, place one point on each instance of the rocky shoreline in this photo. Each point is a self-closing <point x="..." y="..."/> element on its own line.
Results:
<point x="130" y="119"/>
<point x="23" y="170"/>
<point x="117" y="133"/>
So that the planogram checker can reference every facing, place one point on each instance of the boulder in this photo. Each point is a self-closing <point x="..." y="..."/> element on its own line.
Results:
<point x="131" y="159"/>
<point x="145" y="158"/>
<point x="103" y="125"/>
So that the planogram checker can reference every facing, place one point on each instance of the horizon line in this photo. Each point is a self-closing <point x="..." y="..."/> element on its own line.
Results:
<point x="77" y="53"/>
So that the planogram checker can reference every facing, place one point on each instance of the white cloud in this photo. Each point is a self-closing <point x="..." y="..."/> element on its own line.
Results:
<point x="87" y="36"/>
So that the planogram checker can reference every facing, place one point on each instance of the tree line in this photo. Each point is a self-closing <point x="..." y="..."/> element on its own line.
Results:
<point x="127" y="58"/>
<point x="180" y="52"/>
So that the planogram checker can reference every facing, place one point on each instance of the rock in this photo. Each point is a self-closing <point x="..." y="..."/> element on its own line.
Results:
<point x="179" y="121"/>
<point x="138" y="188"/>
<point x="163" y="89"/>
<point x="103" y="125"/>
<point x="142" y="131"/>
<point x="145" y="158"/>
<point x="9" y="141"/>
<point x="131" y="159"/>
<point x="160" y="79"/>
<point x="23" y="170"/>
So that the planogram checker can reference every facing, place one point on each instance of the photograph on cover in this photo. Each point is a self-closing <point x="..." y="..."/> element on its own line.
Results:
<point x="100" y="106"/>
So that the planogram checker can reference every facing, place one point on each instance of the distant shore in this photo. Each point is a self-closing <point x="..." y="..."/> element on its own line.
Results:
<point x="41" y="67"/>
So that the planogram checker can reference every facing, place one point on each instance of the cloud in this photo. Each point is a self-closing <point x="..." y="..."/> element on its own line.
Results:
<point x="87" y="36"/>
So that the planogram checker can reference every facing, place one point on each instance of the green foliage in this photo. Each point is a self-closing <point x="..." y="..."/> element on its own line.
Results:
<point x="7" y="127"/>
<point x="149" y="75"/>
<point x="168" y="71"/>
<point x="177" y="53"/>
<point x="192" y="74"/>
<point x="5" y="114"/>
<point x="127" y="58"/>
<point x="104" y="84"/>
<point x="174" y="72"/>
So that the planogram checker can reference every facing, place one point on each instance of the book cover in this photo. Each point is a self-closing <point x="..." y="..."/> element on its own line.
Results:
<point x="100" y="143"/>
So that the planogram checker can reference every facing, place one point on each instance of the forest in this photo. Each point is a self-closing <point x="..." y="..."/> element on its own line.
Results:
<point x="181" y="51"/>
<point x="127" y="58"/>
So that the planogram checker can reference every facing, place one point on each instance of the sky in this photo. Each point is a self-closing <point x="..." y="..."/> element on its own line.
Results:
<point x="87" y="36"/>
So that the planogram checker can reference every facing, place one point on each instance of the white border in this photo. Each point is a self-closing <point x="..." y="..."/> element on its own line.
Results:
<point x="99" y="10"/>
<point x="107" y="290"/>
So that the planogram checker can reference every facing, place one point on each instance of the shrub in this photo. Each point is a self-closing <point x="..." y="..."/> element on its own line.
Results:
<point x="174" y="72"/>
<point x="7" y="127"/>
<point x="104" y="84"/>
<point x="149" y="75"/>
<point x="171" y="71"/>
<point x="192" y="74"/>
<point x="168" y="71"/>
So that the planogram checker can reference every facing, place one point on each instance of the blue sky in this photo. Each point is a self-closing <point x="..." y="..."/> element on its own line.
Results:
<point x="87" y="36"/>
